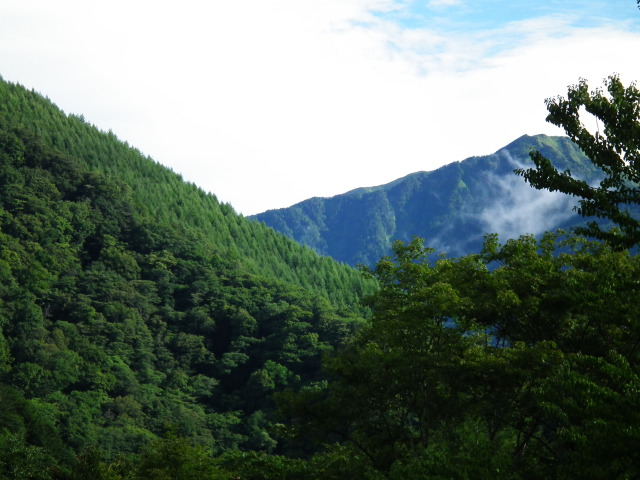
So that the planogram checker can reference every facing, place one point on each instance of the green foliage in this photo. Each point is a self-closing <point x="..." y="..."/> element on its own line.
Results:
<point x="254" y="466"/>
<point x="159" y="194"/>
<point x="21" y="461"/>
<point x="116" y="327"/>
<point x="90" y="465"/>
<point x="615" y="152"/>
<point x="176" y="459"/>
<point x="143" y="335"/>
<point x="520" y="362"/>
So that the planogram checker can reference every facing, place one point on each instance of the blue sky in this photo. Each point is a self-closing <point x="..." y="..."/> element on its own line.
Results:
<point x="269" y="102"/>
<point x="459" y="15"/>
<point x="446" y="15"/>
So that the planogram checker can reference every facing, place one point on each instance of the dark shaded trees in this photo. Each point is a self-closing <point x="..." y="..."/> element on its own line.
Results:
<point x="520" y="362"/>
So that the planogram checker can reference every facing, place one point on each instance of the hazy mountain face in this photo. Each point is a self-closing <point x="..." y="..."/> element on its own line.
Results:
<point x="452" y="207"/>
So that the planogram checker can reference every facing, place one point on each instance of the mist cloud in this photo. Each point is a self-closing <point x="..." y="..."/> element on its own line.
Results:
<point x="504" y="204"/>
<point x="521" y="209"/>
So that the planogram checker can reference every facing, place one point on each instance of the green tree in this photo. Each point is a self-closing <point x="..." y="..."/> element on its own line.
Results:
<point x="614" y="150"/>
<point x="21" y="461"/>
<point x="176" y="458"/>
<point x="520" y="362"/>
<point x="90" y="465"/>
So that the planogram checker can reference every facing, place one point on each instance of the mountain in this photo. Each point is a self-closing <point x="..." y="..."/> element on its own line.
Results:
<point x="452" y="207"/>
<point x="134" y="306"/>
<point x="163" y="196"/>
<point x="149" y="332"/>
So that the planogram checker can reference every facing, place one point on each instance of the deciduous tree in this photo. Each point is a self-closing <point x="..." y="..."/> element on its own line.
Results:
<point x="519" y="362"/>
<point x="613" y="148"/>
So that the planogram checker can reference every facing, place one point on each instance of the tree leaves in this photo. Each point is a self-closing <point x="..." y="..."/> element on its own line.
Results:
<point x="615" y="151"/>
<point x="121" y="326"/>
<point x="526" y="355"/>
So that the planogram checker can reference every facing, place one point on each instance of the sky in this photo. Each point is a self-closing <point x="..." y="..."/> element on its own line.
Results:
<point x="266" y="103"/>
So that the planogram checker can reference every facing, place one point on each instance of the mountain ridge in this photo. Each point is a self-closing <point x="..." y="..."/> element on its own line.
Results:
<point x="254" y="247"/>
<point x="360" y="225"/>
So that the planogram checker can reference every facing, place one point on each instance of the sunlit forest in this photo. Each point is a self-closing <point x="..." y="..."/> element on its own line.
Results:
<point x="147" y="331"/>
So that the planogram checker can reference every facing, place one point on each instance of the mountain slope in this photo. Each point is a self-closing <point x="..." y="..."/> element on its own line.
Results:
<point x="163" y="195"/>
<point x="452" y="207"/>
<point x="119" y="325"/>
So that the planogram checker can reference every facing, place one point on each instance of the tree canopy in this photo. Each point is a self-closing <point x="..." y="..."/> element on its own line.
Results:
<point x="134" y="346"/>
<point x="117" y="328"/>
<point x="519" y="362"/>
<point x="615" y="150"/>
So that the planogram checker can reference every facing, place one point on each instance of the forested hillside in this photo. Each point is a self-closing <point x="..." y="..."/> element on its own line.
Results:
<point x="135" y="307"/>
<point x="137" y="345"/>
<point x="117" y="327"/>
<point x="452" y="207"/>
<point x="163" y="196"/>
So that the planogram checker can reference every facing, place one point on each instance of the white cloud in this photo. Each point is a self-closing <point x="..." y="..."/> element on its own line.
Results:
<point x="269" y="103"/>
<point x="519" y="209"/>
<point x="507" y="205"/>
<point x="443" y="3"/>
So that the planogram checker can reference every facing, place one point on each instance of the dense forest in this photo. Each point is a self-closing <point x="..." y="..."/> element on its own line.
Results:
<point x="148" y="335"/>
<point x="116" y="327"/>
<point x="125" y="319"/>
<point x="162" y="195"/>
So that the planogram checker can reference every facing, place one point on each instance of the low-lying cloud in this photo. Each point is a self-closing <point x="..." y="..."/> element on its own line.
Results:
<point x="521" y="209"/>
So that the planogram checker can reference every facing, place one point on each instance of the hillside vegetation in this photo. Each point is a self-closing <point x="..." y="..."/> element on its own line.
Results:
<point x="136" y="344"/>
<point x="163" y="196"/>
<point x="134" y="306"/>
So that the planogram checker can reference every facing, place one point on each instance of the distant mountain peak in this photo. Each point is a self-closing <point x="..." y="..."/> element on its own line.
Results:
<point x="452" y="207"/>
